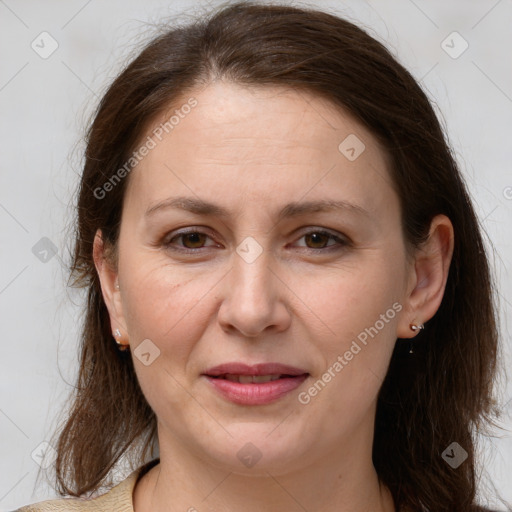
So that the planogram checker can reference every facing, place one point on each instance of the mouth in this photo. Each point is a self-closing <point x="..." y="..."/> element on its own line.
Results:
<point x="255" y="385"/>
<point x="253" y="379"/>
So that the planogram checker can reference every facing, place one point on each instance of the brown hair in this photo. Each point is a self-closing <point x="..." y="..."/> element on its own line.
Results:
<point x="440" y="394"/>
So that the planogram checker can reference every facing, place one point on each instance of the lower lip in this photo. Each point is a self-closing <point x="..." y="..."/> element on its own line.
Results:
<point x="256" y="393"/>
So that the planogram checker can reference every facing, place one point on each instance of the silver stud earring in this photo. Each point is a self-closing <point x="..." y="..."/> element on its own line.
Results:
<point x="414" y="328"/>
<point x="117" y="333"/>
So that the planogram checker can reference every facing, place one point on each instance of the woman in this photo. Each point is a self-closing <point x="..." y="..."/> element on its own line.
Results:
<point x="273" y="230"/>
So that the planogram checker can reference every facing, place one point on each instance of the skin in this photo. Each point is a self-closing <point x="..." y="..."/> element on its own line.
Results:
<point x="301" y="302"/>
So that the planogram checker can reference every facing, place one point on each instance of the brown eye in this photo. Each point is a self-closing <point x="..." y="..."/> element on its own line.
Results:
<point x="322" y="241"/>
<point x="193" y="240"/>
<point x="317" y="240"/>
<point x="189" y="242"/>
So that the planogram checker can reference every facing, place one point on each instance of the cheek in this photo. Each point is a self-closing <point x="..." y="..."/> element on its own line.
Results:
<point x="355" y="358"/>
<point x="165" y="305"/>
<point x="363" y="333"/>
<point x="360" y="306"/>
<point x="352" y="297"/>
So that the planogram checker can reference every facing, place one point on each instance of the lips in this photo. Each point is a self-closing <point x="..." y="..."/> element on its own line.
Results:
<point x="255" y="384"/>
<point x="248" y="379"/>
<point x="254" y="370"/>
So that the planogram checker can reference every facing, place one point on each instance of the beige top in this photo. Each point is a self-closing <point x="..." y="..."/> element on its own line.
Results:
<point x="117" y="499"/>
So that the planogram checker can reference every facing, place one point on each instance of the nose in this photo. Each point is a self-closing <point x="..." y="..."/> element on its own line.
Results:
<point x="254" y="299"/>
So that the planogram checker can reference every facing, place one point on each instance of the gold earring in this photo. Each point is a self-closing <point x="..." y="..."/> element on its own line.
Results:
<point x="120" y="346"/>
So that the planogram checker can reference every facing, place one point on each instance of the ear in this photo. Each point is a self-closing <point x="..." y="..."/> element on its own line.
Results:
<point x="108" y="275"/>
<point x="429" y="274"/>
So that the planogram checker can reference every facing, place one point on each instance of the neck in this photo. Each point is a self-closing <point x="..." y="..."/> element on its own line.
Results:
<point x="344" y="480"/>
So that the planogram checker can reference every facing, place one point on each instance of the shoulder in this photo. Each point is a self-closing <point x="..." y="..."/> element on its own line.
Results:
<point x="117" y="499"/>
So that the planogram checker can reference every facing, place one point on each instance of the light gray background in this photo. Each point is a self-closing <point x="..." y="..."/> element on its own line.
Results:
<point x="45" y="104"/>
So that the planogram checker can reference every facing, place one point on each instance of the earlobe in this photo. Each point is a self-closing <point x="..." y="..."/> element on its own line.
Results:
<point x="431" y="268"/>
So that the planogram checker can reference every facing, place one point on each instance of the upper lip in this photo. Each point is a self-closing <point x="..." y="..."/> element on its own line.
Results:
<point x="255" y="369"/>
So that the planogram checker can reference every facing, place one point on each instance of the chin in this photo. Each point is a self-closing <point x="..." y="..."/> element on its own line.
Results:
<point x="256" y="450"/>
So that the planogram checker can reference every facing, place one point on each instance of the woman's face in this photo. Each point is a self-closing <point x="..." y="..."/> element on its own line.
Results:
<point x="262" y="229"/>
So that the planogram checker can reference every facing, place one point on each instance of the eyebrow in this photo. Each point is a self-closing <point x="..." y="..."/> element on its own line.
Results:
<point x="294" y="209"/>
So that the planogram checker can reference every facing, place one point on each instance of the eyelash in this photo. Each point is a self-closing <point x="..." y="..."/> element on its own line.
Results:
<point x="340" y="242"/>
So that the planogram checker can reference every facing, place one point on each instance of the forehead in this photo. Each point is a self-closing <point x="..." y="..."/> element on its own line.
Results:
<point x="279" y="116"/>
<point x="255" y="138"/>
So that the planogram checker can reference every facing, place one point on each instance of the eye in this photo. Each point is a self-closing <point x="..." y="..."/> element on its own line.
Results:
<point x="320" y="239"/>
<point x="189" y="240"/>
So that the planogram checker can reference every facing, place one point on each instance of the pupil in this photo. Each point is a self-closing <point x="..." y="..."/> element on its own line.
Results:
<point x="317" y="238"/>
<point x="194" y="239"/>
